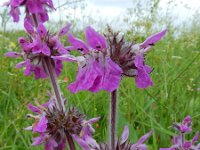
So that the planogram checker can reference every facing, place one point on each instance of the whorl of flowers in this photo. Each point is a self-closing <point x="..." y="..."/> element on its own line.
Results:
<point x="38" y="46"/>
<point x="104" y="61"/>
<point x="53" y="124"/>
<point x="122" y="144"/>
<point x="36" y="8"/>
<point x="131" y="57"/>
<point x="96" y="70"/>
<point x="179" y="142"/>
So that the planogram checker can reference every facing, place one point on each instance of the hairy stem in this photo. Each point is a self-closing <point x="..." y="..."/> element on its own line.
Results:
<point x="70" y="141"/>
<point x="54" y="82"/>
<point x="52" y="76"/>
<point x="113" y="116"/>
<point x="182" y="139"/>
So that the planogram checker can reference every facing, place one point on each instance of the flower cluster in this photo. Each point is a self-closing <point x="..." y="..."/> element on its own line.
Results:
<point x="37" y="8"/>
<point x="53" y="125"/>
<point x="96" y="69"/>
<point x="179" y="142"/>
<point x="104" y="61"/>
<point x="131" y="57"/>
<point x="39" y="46"/>
<point x="122" y="144"/>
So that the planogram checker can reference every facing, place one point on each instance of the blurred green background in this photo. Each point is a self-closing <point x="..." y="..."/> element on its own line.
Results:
<point x="176" y="76"/>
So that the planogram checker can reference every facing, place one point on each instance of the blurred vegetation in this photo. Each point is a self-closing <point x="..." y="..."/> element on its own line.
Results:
<point x="175" y="94"/>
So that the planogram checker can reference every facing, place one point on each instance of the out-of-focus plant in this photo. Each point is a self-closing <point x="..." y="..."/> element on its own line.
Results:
<point x="179" y="141"/>
<point x="5" y="17"/>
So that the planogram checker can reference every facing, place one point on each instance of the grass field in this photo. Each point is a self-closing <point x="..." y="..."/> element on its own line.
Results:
<point x="175" y="94"/>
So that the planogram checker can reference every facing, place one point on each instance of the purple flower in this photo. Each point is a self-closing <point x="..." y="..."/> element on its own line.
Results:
<point x="130" y="57"/>
<point x="142" y="78"/>
<point x="39" y="46"/>
<point x="86" y="141"/>
<point x="184" y="126"/>
<point x="96" y="70"/>
<point x="53" y="125"/>
<point x="105" y="61"/>
<point x="140" y="143"/>
<point x="179" y="142"/>
<point x="38" y="8"/>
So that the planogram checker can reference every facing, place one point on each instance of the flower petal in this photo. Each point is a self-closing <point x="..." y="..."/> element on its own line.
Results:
<point x="33" y="108"/>
<point x="45" y="49"/>
<point x="64" y="30"/>
<point x="153" y="39"/>
<point x="21" y="64"/>
<point x="81" y="142"/>
<point x="15" y="12"/>
<point x="51" y="144"/>
<point x="38" y="140"/>
<point x="34" y="6"/>
<point x="65" y="57"/>
<point x="39" y="72"/>
<point x="42" y="31"/>
<point x="112" y="76"/>
<point x="41" y="126"/>
<point x="12" y="54"/>
<point x="187" y="145"/>
<point x="43" y="16"/>
<point x="58" y="67"/>
<point x="78" y="44"/>
<point x="16" y="3"/>
<point x="27" y="71"/>
<point x="29" y="28"/>
<point x="25" y="44"/>
<point x="85" y="78"/>
<point x="187" y="120"/>
<point x="125" y="135"/>
<point x="139" y="147"/>
<point x="93" y="120"/>
<point x="143" y="79"/>
<point x="144" y="137"/>
<point x="195" y="138"/>
<point x="94" y="39"/>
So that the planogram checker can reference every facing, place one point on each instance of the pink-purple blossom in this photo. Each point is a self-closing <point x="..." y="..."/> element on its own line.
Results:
<point x="131" y="57"/>
<point x="39" y="46"/>
<point x="38" y="8"/>
<point x="96" y="70"/>
<point x="105" y="61"/>
<point x="179" y="142"/>
<point x="184" y="126"/>
<point x="86" y="141"/>
<point x="53" y="126"/>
